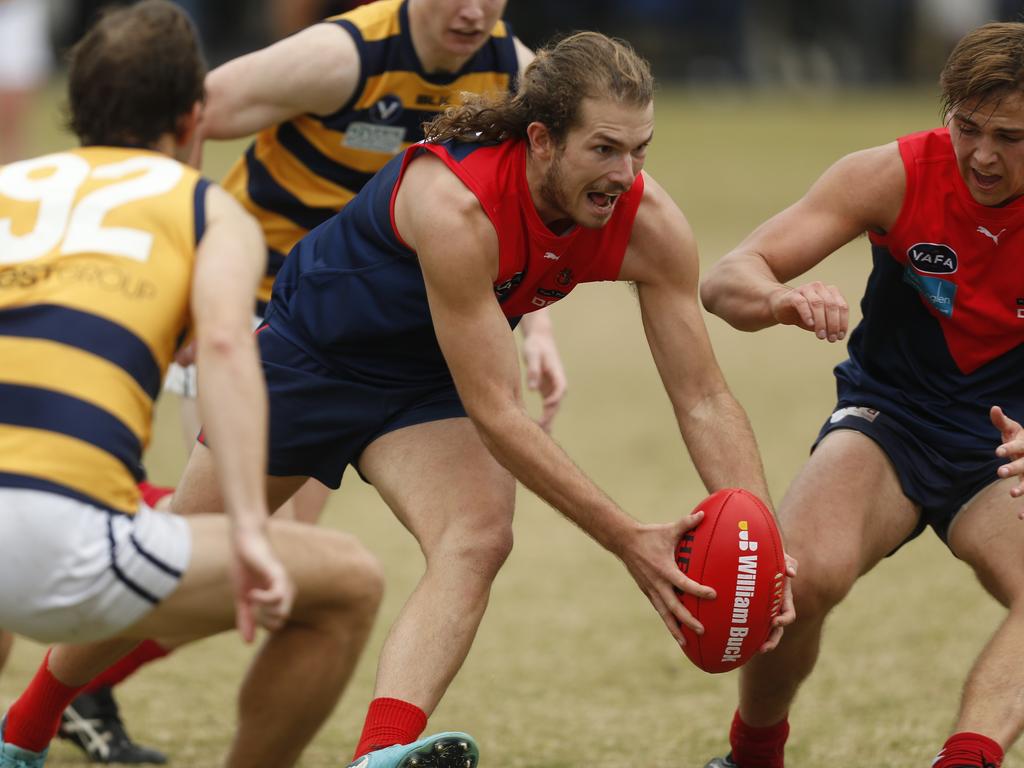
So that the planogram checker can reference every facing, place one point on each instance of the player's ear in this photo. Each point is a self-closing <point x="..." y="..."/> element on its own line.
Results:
<point x="185" y="130"/>
<point x="542" y="144"/>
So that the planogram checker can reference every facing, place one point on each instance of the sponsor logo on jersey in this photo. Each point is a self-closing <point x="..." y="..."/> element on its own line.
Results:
<point x="430" y="100"/>
<point x="374" y="138"/>
<point x="105" y="277"/>
<point x="932" y="258"/>
<point x="551" y="294"/>
<point x="939" y="293"/>
<point x="857" y="411"/>
<point x="988" y="233"/>
<point x="1020" y="307"/>
<point x="502" y="290"/>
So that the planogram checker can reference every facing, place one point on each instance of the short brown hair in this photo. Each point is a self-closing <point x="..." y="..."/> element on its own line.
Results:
<point x="986" y="64"/>
<point x="582" y="65"/>
<point x="134" y="74"/>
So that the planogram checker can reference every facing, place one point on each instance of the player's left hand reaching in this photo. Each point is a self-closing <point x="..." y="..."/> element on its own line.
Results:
<point x="264" y="592"/>
<point x="1011" y="448"/>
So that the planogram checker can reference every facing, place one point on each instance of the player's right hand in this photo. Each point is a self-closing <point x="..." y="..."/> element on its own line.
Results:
<point x="649" y="555"/>
<point x="815" y="307"/>
<point x="264" y="592"/>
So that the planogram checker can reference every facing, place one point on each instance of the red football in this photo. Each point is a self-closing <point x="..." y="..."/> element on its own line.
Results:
<point x="736" y="550"/>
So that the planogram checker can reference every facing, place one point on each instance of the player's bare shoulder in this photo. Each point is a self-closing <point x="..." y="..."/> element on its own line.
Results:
<point x="662" y="243"/>
<point x="434" y="205"/>
<point x="870" y="184"/>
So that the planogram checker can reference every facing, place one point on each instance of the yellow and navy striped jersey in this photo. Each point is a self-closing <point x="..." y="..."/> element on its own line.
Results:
<point x="97" y="247"/>
<point x="301" y="172"/>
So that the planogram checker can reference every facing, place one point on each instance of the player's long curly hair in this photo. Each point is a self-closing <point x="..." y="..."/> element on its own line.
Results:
<point x="134" y="74"/>
<point x="987" y="63"/>
<point x="582" y="65"/>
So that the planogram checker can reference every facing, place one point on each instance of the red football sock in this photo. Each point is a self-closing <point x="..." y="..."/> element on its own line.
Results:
<point x="151" y="494"/>
<point x="973" y="749"/>
<point x="144" y="652"/>
<point x="388" y="722"/>
<point x="32" y="720"/>
<point x="758" y="747"/>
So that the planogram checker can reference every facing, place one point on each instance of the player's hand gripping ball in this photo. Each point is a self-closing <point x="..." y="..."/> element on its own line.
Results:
<point x="737" y="550"/>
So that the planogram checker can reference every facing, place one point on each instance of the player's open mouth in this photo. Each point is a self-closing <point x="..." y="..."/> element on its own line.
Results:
<point x="984" y="180"/>
<point x="467" y="34"/>
<point x="602" y="201"/>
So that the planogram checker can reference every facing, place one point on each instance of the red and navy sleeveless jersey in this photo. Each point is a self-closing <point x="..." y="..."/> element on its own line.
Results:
<point x="943" y="325"/>
<point x="351" y="293"/>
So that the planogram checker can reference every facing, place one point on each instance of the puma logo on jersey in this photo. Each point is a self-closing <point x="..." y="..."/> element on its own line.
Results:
<point x="995" y="237"/>
<point x="552" y="256"/>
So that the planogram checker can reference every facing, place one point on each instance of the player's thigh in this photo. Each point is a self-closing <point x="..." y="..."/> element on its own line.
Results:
<point x="199" y="493"/>
<point x="441" y="480"/>
<point x="987" y="535"/>
<point x="844" y="511"/>
<point x="330" y="570"/>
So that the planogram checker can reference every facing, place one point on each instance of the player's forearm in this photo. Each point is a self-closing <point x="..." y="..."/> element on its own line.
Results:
<point x="232" y="400"/>
<point x="534" y="459"/>
<point x="230" y="112"/>
<point x="722" y="445"/>
<point x="739" y="289"/>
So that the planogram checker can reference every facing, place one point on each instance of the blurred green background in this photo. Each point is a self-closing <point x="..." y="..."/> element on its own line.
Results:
<point x="572" y="667"/>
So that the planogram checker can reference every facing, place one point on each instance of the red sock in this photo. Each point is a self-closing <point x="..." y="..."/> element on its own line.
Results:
<point x="758" y="747"/>
<point x="151" y="494"/>
<point x="144" y="652"/>
<point x="390" y="721"/>
<point x="32" y="720"/>
<point x="969" y="749"/>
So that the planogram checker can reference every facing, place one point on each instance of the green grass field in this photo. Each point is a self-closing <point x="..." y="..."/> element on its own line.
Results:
<point x="571" y="666"/>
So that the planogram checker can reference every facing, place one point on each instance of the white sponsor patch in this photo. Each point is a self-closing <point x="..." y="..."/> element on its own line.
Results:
<point x="375" y="138"/>
<point x="869" y="414"/>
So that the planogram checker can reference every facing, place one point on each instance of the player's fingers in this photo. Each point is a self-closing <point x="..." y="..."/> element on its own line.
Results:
<point x="689" y="522"/>
<point x="669" y="618"/>
<point x="815" y="295"/>
<point x="681" y="615"/>
<point x="835" y="313"/>
<point x="773" y="640"/>
<point x="244" y="620"/>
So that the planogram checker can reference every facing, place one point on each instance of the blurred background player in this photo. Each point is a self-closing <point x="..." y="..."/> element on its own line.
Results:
<point x="104" y="249"/>
<point x="332" y="104"/>
<point x="25" y="64"/>
<point x="912" y="440"/>
<point x="389" y="346"/>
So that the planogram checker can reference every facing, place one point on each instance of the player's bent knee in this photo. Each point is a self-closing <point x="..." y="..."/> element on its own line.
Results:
<point x="820" y="586"/>
<point x="482" y="551"/>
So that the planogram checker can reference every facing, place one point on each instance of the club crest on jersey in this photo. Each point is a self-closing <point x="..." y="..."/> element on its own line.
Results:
<point x="564" y="277"/>
<point x="386" y="109"/>
<point x="932" y="258"/>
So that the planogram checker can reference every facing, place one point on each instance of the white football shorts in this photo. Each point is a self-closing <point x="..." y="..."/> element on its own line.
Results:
<point x="74" y="572"/>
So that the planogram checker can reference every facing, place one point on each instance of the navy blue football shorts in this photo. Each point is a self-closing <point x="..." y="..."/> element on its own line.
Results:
<point x="321" y="420"/>
<point x="939" y="479"/>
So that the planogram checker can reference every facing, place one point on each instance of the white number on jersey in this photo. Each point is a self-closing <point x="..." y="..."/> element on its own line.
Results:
<point x="79" y="228"/>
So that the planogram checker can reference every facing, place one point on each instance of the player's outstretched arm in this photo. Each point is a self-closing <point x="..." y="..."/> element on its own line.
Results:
<point x="457" y="249"/>
<point x="749" y="287"/>
<point x="662" y="262"/>
<point x="232" y="402"/>
<point x="315" y="70"/>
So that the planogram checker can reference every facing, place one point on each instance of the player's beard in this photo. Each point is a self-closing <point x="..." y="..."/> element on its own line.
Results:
<point x="552" y="190"/>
